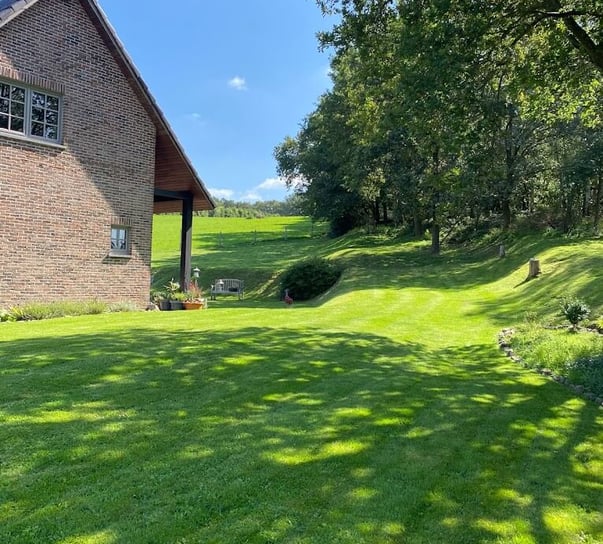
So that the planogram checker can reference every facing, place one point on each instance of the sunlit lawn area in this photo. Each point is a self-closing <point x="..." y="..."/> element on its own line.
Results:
<point x="381" y="413"/>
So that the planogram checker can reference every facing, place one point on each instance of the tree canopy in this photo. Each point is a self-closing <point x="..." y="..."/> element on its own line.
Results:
<point x="448" y="112"/>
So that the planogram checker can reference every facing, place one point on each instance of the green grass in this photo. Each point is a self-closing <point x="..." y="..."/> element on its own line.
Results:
<point x="381" y="413"/>
<point x="578" y="357"/>
<point x="253" y="249"/>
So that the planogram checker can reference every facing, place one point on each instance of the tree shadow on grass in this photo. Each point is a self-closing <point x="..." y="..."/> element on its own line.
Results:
<point x="412" y="266"/>
<point x="270" y="435"/>
<point x="581" y="278"/>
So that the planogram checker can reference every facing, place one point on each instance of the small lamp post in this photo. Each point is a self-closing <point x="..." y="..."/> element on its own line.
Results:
<point x="195" y="280"/>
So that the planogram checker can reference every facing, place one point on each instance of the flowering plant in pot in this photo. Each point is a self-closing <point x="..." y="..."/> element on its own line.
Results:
<point x="174" y="295"/>
<point x="171" y="288"/>
<point x="194" y="297"/>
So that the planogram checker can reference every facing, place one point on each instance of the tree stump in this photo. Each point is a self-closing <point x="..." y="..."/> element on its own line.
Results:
<point x="534" y="268"/>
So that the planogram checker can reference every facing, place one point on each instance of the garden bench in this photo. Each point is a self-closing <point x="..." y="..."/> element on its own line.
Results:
<point x="227" y="287"/>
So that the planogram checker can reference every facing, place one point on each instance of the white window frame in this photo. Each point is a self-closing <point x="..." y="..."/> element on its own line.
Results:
<point x="31" y="104"/>
<point x="120" y="242"/>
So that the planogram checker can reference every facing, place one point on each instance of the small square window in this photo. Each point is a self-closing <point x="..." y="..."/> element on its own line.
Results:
<point x="120" y="240"/>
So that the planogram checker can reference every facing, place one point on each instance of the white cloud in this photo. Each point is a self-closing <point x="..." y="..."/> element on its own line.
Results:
<point x="196" y="118"/>
<point x="280" y="183"/>
<point x="222" y="193"/>
<point x="251" y="196"/>
<point x="270" y="188"/>
<point x="273" y="183"/>
<point x="238" y="83"/>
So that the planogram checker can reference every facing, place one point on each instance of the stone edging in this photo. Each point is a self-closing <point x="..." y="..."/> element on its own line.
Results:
<point x="504" y="344"/>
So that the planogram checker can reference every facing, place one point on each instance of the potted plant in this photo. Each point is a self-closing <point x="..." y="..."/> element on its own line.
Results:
<point x="194" y="297"/>
<point x="174" y="295"/>
<point x="160" y="298"/>
<point x="177" y="301"/>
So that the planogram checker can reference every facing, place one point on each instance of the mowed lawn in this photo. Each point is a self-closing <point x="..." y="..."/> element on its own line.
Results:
<point x="381" y="413"/>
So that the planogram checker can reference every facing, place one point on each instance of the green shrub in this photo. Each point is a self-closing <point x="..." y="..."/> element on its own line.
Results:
<point x="117" y="307"/>
<point x="37" y="311"/>
<point x="309" y="278"/>
<point x="5" y="315"/>
<point x="574" y="310"/>
<point x="587" y="371"/>
<point x="597" y="324"/>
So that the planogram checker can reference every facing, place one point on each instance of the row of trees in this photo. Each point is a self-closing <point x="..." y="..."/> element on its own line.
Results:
<point x="292" y="205"/>
<point x="450" y="112"/>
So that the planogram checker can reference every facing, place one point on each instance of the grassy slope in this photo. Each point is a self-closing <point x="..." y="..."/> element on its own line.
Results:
<point x="235" y="248"/>
<point x="382" y="413"/>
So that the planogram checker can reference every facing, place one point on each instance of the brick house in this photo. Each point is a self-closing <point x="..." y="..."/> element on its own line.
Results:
<point x="86" y="158"/>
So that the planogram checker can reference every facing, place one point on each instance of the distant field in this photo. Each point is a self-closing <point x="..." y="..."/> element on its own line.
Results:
<point x="380" y="413"/>
<point x="251" y="249"/>
<point x="211" y="232"/>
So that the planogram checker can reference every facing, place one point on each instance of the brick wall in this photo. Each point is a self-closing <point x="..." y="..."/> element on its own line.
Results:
<point x="57" y="204"/>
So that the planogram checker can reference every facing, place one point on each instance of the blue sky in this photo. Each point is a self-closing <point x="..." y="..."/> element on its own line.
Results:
<point x="233" y="77"/>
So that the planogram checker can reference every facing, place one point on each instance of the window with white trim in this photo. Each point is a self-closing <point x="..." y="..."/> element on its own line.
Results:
<point x="120" y="240"/>
<point x="30" y="112"/>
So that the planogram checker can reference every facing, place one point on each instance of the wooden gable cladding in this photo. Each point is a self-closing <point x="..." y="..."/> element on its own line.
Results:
<point x="175" y="175"/>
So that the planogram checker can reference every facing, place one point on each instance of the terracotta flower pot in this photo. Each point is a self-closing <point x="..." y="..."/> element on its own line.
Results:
<point x="193" y="305"/>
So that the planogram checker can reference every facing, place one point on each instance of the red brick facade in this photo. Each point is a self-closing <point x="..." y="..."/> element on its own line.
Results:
<point x="58" y="203"/>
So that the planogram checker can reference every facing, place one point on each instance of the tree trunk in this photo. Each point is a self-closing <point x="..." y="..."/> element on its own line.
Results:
<point x="435" y="224"/>
<point x="384" y="211"/>
<point x="506" y="213"/>
<point x="510" y="158"/>
<point x="597" y="203"/>
<point x="418" y="223"/>
<point x="435" y="238"/>
<point x="376" y="212"/>
<point x="568" y="214"/>
<point x="533" y="268"/>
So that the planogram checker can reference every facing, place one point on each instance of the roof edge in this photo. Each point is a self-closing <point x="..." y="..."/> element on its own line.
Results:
<point x="12" y="11"/>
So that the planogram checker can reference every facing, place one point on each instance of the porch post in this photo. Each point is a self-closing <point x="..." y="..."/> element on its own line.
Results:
<point x="186" y="241"/>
